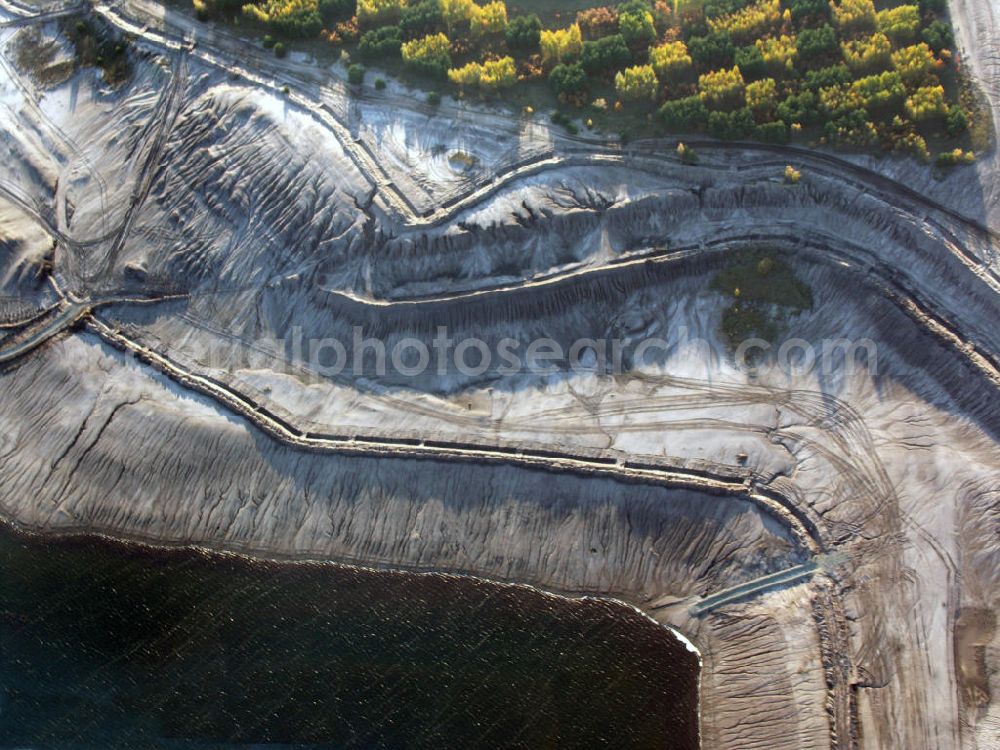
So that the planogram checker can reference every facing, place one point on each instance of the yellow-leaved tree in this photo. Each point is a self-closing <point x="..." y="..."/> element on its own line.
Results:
<point x="927" y="102"/>
<point x="670" y="59"/>
<point x="915" y="63"/>
<point x="489" y="19"/>
<point x="291" y="17"/>
<point x="379" y="12"/>
<point x="720" y="88"/>
<point x="560" y="45"/>
<point x="429" y="54"/>
<point x="762" y="97"/>
<point x="853" y="15"/>
<point x="456" y="11"/>
<point x="900" y="23"/>
<point x="489" y="76"/>
<point x="779" y="54"/>
<point x="637" y="82"/>
<point x="869" y="53"/>
<point x="750" y="22"/>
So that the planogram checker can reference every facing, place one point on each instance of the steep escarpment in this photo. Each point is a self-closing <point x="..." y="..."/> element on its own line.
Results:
<point x="205" y="474"/>
<point x="119" y="452"/>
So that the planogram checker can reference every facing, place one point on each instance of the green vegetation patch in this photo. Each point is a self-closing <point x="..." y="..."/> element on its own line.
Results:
<point x="764" y="292"/>
<point x="96" y="45"/>
<point x="842" y="73"/>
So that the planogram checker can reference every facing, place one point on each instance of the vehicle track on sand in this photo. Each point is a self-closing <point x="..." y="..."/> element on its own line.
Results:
<point x="163" y="119"/>
<point x="30" y="98"/>
<point x="164" y="113"/>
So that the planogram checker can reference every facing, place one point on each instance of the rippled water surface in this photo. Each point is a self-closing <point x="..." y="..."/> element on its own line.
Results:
<point x="104" y="645"/>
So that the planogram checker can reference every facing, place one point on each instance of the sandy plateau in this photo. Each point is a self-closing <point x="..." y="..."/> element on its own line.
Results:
<point x="167" y="245"/>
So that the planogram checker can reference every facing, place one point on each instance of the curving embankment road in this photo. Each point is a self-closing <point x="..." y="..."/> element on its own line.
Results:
<point x="68" y="315"/>
<point x="725" y="483"/>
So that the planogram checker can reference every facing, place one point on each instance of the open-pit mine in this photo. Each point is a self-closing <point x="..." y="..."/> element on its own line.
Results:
<point x="254" y="315"/>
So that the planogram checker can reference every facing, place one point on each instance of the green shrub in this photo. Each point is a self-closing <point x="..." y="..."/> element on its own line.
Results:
<point x="421" y="18"/>
<point x="954" y="158"/>
<point x="758" y="283"/>
<point x="684" y="115"/>
<point x="559" y="118"/>
<point x="712" y="51"/>
<point x="750" y="61"/>
<point x="816" y="44"/>
<point x="716" y="8"/>
<point x="835" y="75"/>
<point x="802" y="108"/>
<point x="635" y="23"/>
<point x="267" y="41"/>
<point x="609" y="53"/>
<point x="938" y="36"/>
<point x="523" y="32"/>
<point x="852" y="129"/>
<point x="280" y="50"/>
<point x="763" y="279"/>
<point x="336" y="10"/>
<point x="880" y="90"/>
<point x="731" y="125"/>
<point x="569" y="81"/>
<point x="956" y="121"/>
<point x="434" y="98"/>
<point x="380" y="44"/>
<point x="804" y="9"/>
<point x="772" y="132"/>
<point x="380" y="84"/>
<point x="356" y="74"/>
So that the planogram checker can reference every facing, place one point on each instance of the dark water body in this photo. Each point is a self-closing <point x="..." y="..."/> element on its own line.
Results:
<point x="104" y="645"/>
